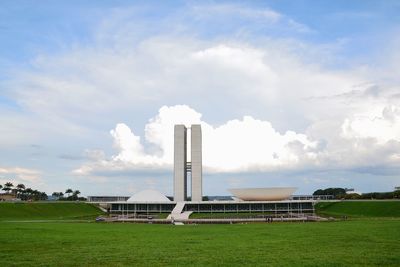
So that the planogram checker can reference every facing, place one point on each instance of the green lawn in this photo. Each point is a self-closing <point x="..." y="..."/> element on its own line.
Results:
<point x="359" y="209"/>
<point x="370" y="240"/>
<point x="343" y="243"/>
<point x="47" y="211"/>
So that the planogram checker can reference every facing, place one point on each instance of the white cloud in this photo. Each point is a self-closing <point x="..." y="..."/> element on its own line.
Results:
<point x="381" y="124"/>
<point x="127" y="71"/>
<point x="20" y="175"/>
<point x="238" y="145"/>
<point x="229" y="10"/>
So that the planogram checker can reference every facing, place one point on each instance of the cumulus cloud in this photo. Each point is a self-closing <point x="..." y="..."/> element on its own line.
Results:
<point x="252" y="145"/>
<point x="382" y="125"/>
<point x="238" y="145"/>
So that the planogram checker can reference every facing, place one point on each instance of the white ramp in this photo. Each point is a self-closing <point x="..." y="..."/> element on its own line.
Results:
<point x="177" y="213"/>
<point x="178" y="207"/>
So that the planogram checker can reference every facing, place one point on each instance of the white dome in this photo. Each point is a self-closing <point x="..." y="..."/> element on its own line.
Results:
<point x="148" y="196"/>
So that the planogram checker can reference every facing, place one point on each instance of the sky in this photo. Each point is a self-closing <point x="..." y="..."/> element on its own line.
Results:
<point x="288" y="93"/>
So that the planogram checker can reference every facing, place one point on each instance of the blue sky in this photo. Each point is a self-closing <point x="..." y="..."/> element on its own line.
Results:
<point x="89" y="89"/>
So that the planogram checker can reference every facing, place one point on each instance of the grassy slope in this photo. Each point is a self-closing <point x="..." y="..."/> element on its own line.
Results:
<point x="360" y="208"/>
<point x="47" y="211"/>
<point x="349" y="243"/>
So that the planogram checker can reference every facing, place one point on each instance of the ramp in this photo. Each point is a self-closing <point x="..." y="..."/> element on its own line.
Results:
<point x="177" y="213"/>
<point x="178" y="207"/>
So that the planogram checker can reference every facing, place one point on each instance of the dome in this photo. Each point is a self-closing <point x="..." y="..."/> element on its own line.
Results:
<point x="263" y="194"/>
<point x="148" y="196"/>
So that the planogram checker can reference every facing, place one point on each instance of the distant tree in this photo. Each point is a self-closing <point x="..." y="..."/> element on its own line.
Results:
<point x="29" y="190"/>
<point x="35" y="195"/>
<point x="352" y="196"/>
<point x="28" y="194"/>
<point x="68" y="192"/>
<point x="75" y="195"/>
<point x="43" y="196"/>
<point x="58" y="194"/>
<point x="21" y="186"/>
<point x="7" y="187"/>
<point x="20" y="190"/>
<point x="336" y="192"/>
<point x="319" y="192"/>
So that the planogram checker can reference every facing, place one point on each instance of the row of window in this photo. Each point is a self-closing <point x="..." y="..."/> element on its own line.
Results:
<point x="214" y="207"/>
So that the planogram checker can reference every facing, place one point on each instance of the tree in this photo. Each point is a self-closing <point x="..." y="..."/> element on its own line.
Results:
<point x="58" y="194"/>
<point x="28" y="194"/>
<point x="20" y="189"/>
<point x="68" y="191"/>
<point x="36" y="195"/>
<point x="43" y="196"/>
<point x="21" y="186"/>
<point x="8" y="186"/>
<point x="336" y="192"/>
<point x="75" y="194"/>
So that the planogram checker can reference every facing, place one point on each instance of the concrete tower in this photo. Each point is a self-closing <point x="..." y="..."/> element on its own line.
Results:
<point x="180" y="173"/>
<point x="196" y="155"/>
<point x="182" y="166"/>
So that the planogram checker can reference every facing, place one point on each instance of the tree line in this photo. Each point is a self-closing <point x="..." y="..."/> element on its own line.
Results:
<point x="28" y="194"/>
<point x="69" y="194"/>
<point x="343" y="193"/>
<point x="22" y="192"/>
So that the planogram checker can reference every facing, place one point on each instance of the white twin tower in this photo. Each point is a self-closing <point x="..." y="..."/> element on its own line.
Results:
<point x="183" y="167"/>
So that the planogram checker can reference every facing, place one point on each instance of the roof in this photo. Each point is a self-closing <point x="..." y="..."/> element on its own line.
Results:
<point x="263" y="194"/>
<point x="148" y="196"/>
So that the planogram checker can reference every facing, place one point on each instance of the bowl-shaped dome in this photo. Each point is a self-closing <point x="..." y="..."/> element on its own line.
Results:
<point x="263" y="194"/>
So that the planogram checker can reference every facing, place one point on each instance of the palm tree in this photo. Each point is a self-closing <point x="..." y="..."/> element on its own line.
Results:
<point x="21" y="186"/>
<point x="8" y="186"/>
<point x="28" y="193"/>
<point x="20" y="189"/>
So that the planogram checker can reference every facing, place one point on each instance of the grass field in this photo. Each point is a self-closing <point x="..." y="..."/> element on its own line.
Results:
<point x="349" y="243"/>
<point x="370" y="240"/>
<point x="359" y="209"/>
<point x="47" y="211"/>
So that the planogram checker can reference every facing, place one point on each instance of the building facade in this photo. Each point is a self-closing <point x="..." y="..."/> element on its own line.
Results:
<point x="182" y="167"/>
